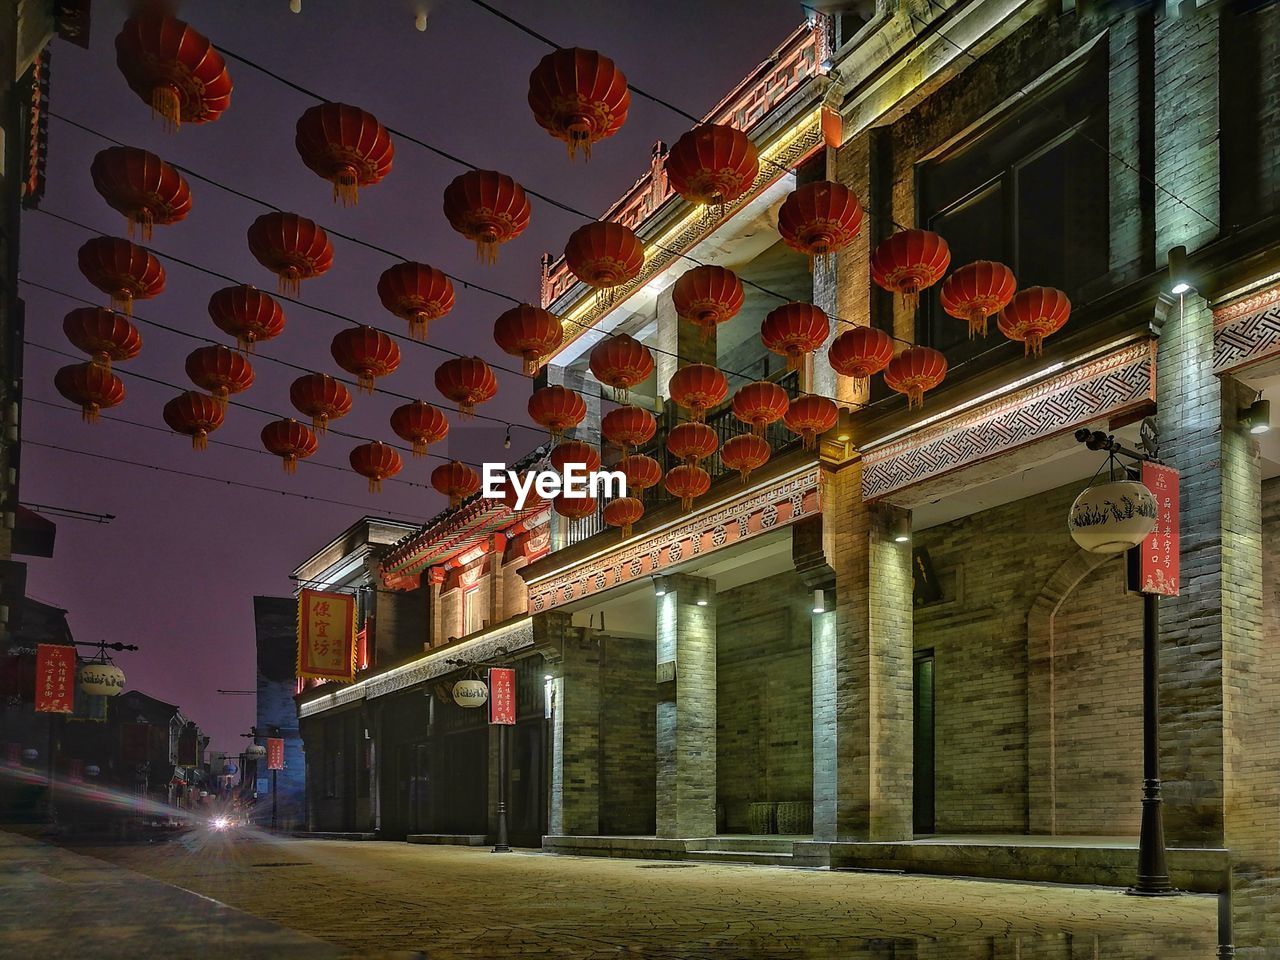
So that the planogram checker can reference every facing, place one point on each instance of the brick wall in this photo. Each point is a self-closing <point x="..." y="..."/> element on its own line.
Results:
<point x="627" y="774"/>
<point x="1251" y="129"/>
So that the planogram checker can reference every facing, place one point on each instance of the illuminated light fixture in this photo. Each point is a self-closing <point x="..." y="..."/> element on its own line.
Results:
<point x="295" y="6"/>
<point x="506" y="441"/>
<point x="420" y="21"/>
<point x="659" y="587"/>
<point x="819" y="601"/>
<point x="902" y="529"/>
<point x="1179" y="276"/>
<point x="1257" y="416"/>
<point x="547" y="677"/>
<point x="703" y="601"/>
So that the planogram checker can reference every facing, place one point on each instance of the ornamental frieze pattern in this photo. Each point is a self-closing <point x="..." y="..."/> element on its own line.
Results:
<point x="1246" y="330"/>
<point x="776" y="506"/>
<point x="1098" y="388"/>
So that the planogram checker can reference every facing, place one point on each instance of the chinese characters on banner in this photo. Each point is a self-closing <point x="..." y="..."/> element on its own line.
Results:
<point x="275" y="753"/>
<point x="1158" y="566"/>
<point x="502" y="695"/>
<point x="55" y="678"/>
<point x="326" y="635"/>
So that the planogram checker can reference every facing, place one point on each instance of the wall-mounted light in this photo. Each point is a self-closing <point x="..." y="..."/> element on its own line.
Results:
<point x="702" y="601"/>
<point x="295" y="6"/>
<point x="1179" y="274"/>
<point x="819" y="601"/>
<point x="902" y="529"/>
<point x="420" y="21"/>
<point x="1257" y="416"/>
<point x="659" y="586"/>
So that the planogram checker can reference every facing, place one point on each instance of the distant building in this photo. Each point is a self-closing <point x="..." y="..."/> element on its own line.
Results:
<point x="276" y="626"/>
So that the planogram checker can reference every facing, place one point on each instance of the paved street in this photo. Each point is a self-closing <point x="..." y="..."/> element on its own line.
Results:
<point x="388" y="898"/>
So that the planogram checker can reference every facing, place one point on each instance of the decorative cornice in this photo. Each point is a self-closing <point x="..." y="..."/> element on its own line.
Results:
<point x="1246" y="331"/>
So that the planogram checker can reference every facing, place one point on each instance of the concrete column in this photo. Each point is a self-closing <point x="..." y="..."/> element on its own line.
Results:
<point x="435" y="627"/>
<point x="573" y="658"/>
<point x="678" y="343"/>
<point x="686" y="722"/>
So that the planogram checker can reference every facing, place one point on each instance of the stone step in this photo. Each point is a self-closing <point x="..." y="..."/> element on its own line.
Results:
<point x="744" y="844"/>
<point x="740" y="856"/>
<point x="452" y="839"/>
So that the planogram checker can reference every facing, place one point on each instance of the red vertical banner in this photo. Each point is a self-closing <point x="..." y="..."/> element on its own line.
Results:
<point x="55" y="678"/>
<point x="326" y="635"/>
<point x="502" y="695"/>
<point x="1158" y="566"/>
<point x="275" y="753"/>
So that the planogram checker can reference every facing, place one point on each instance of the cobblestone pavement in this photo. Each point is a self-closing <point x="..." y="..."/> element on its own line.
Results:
<point x="374" y="898"/>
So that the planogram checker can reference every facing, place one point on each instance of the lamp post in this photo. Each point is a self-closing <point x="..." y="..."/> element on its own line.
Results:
<point x="501" y="846"/>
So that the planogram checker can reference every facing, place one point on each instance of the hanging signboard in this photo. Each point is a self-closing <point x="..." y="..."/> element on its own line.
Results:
<point x="1158" y="557"/>
<point x="502" y="695"/>
<point x="55" y="678"/>
<point x="326" y="635"/>
<point x="275" y="753"/>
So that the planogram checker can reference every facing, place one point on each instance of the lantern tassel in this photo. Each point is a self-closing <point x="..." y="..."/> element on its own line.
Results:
<point x="290" y="463"/>
<point x="466" y="411"/>
<point x="141" y="223"/>
<point x="487" y="250"/>
<point x="977" y="323"/>
<point x="626" y="530"/>
<point x="364" y="382"/>
<point x="419" y="448"/>
<point x="166" y="103"/>
<point x="200" y="440"/>
<point x="418" y="327"/>
<point x="686" y="503"/>
<point x="375" y="484"/>
<point x="810" y="439"/>
<point x="531" y="364"/>
<point x="290" y="282"/>
<point x="89" y="412"/>
<point x="320" y="424"/>
<point x="122" y="302"/>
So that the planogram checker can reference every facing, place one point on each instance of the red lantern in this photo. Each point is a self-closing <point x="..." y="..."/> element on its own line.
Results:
<point x="908" y="261"/>
<point x="860" y="352"/>
<point x="103" y="335"/>
<point x="628" y="427"/>
<point x="292" y="247"/>
<point x="641" y="472"/>
<point x="532" y="501"/>
<point x="1032" y="315"/>
<point x="707" y="296"/>
<point x="417" y="293"/>
<point x="698" y="387"/>
<point x="577" y="453"/>
<point x="621" y="361"/>
<point x="691" y="442"/>
<point x="487" y="207"/>
<point x="557" y="409"/>
<point x="91" y="387"/>
<point x="346" y="146"/>
<point x="466" y="381"/>
<point x="289" y="440"/>
<point x="195" y="415"/>
<point x="915" y="371"/>
<point x="455" y="480"/>
<point x="759" y="404"/>
<point x="366" y="352"/>
<point x="604" y="255"/>
<point x="745" y="453"/>
<point x="420" y="424"/>
<point x="376" y="462"/>
<point x="574" y="508"/>
<point x="219" y="370"/>
<point x="793" y="330"/>
<point x="687" y="482"/>
<point x="141" y="186"/>
<point x="174" y="69"/>
<point x="819" y="219"/>
<point x="623" y="512"/>
<point x="713" y="164"/>
<point x="247" y="314"/>
<point x="809" y="416"/>
<point x="123" y="271"/>
<point x="529" y="333"/>
<point x="578" y="96"/>
<point x="320" y="397"/>
<point x="976" y="291"/>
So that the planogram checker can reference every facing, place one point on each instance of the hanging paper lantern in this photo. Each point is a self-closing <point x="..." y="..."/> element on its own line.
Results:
<point x="417" y="293"/>
<point x="809" y="416"/>
<point x="687" y="482"/>
<point x="247" y="314"/>
<point x="346" y="146"/>
<point x="707" y="296"/>
<point x="320" y="397"/>
<point x="759" y="404"/>
<point x="530" y="333"/>
<point x="574" y="508"/>
<point x="1111" y="517"/>
<point x="976" y="291"/>
<point x="455" y="480"/>
<point x="470" y="693"/>
<point x="510" y="495"/>
<point x="1032" y="315"/>
<point x="713" y="164"/>
<point x="604" y="256"/>
<point x="174" y="69"/>
<point x="366" y="352"/>
<point x="578" y="454"/>
<point x="219" y="370"/>
<point x="289" y="440"/>
<point x="420" y="424"/>
<point x="820" y="218"/>
<point x="103" y="335"/>
<point x="487" y="207"/>
<point x="698" y="387"/>
<point x="745" y="453"/>
<point x="466" y="381"/>
<point x="292" y="247"/>
<point x="623" y="512"/>
<point x="194" y="414"/>
<point x="860" y="352"/>
<point x="692" y="442"/>
<point x="628" y="427"/>
<point x="641" y="472"/>
<point x="100" y="680"/>
<point x="915" y="371"/>
<point x="123" y="271"/>
<point x="621" y="361"/>
<point x="91" y="387"/>
<point x="376" y="462"/>
<point x="794" y="330"/>
<point x="908" y="261"/>
<point x="141" y="186"/>
<point x="578" y="96"/>
<point x="557" y="409"/>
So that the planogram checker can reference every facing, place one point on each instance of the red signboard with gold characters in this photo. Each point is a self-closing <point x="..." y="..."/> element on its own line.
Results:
<point x="55" y="678"/>
<point x="326" y="635"/>
<point x="1158" y="566"/>
<point x="502" y="696"/>
<point x="275" y="753"/>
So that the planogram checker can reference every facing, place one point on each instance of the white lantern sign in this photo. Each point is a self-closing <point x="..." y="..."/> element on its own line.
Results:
<point x="101" y="680"/>
<point x="255" y="751"/>
<point x="1112" y="517"/>
<point x="470" y="693"/>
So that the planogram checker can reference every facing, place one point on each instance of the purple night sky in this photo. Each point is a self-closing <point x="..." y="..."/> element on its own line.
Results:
<point x="177" y="569"/>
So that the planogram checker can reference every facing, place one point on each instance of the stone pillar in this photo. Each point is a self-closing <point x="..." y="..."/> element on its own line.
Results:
<point x="497" y="578"/>
<point x="686" y="722"/>
<point x="678" y="343"/>
<point x="578" y="378"/>
<point x="573" y="659"/>
<point x="435" y="635"/>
